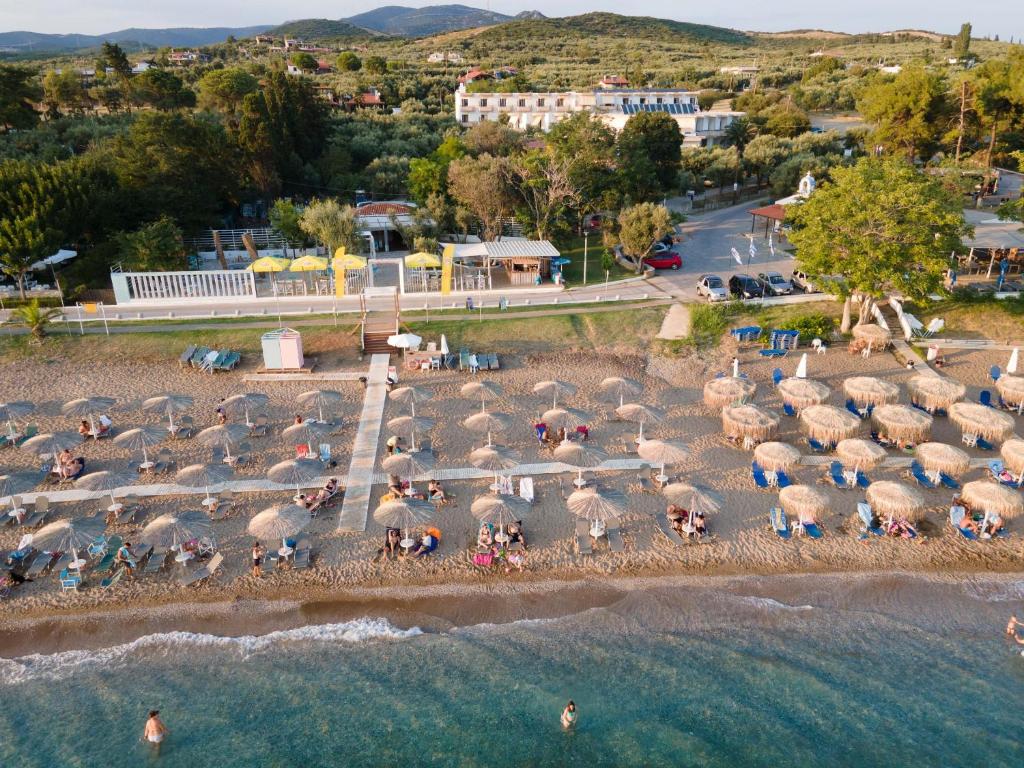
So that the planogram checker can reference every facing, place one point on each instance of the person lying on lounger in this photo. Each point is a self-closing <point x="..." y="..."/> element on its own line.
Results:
<point x="427" y="544"/>
<point x="677" y="517"/>
<point x="901" y="528"/>
<point x="993" y="525"/>
<point x="1006" y="476"/>
<point x="968" y="524"/>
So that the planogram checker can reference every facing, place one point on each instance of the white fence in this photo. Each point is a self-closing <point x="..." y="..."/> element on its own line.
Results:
<point x="206" y="284"/>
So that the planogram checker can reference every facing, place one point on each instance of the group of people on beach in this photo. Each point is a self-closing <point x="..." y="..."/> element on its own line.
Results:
<point x="67" y="466"/>
<point x="103" y="426"/>
<point x="321" y="498"/>
<point x="507" y="546"/>
<point x="419" y="544"/>
<point x="990" y="524"/>
<point x="687" y="523"/>
<point x="545" y="438"/>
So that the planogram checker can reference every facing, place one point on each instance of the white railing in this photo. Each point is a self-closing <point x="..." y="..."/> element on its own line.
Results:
<point x="204" y="284"/>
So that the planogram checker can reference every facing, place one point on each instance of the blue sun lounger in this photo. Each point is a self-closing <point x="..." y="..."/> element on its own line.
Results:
<point x="759" y="477"/>
<point x="864" y="510"/>
<point x="984" y="444"/>
<point x="778" y="522"/>
<point x="985" y="398"/>
<point x="816" y="446"/>
<point x="783" y="479"/>
<point x="788" y="409"/>
<point x="852" y="408"/>
<point x="862" y="479"/>
<point x="920" y="476"/>
<point x="956" y="516"/>
<point x="812" y="530"/>
<point x="948" y="481"/>
<point x="996" y="467"/>
<point x="777" y="376"/>
<point x="835" y="472"/>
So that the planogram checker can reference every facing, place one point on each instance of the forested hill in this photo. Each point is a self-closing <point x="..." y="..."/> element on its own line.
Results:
<point x="131" y="39"/>
<point x="421" y="22"/>
<point x="321" y="30"/>
<point x="612" y="24"/>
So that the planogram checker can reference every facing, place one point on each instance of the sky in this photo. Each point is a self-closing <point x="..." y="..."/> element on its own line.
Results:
<point x="989" y="17"/>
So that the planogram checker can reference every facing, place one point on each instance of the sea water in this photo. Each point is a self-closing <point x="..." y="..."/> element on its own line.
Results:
<point x="808" y="671"/>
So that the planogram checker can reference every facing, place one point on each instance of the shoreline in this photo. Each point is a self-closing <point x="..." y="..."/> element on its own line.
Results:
<point x="430" y="607"/>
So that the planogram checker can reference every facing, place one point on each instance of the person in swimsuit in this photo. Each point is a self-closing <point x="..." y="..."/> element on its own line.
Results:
<point x="155" y="730"/>
<point x="257" y="559"/>
<point x="569" y="715"/>
<point x="1011" y="626"/>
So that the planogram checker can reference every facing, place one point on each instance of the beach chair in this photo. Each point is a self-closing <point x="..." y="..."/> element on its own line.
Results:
<point x="198" y="356"/>
<point x="956" y="516"/>
<point x="777" y="377"/>
<point x="156" y="560"/>
<point x="852" y="408"/>
<point x="325" y="452"/>
<point x="815" y="445"/>
<point x="773" y="352"/>
<point x="139" y="552"/>
<point x="203" y="571"/>
<point x="985" y="398"/>
<point x="184" y="429"/>
<point x="760" y="480"/>
<point x="111" y="580"/>
<point x="39" y="565"/>
<point x="463" y="359"/>
<point x="948" y="481"/>
<point x="835" y="473"/>
<point x="862" y="479"/>
<point x="984" y="444"/>
<point x="811" y="529"/>
<point x="260" y="426"/>
<point x="69" y="582"/>
<point x="229" y="361"/>
<point x="583" y="537"/>
<point x="107" y="561"/>
<point x="164" y="461"/>
<point x="669" y="531"/>
<point x="994" y="373"/>
<point x="186" y="356"/>
<point x="225" y="501"/>
<point x="864" y="511"/>
<point x="777" y="520"/>
<point x="492" y="361"/>
<point x="782" y="479"/>
<point x="788" y="410"/>
<point x="300" y="560"/>
<point x="40" y="509"/>
<point x="526" y="489"/>
<point x="996" y="467"/>
<point x="614" y="533"/>
<point x="918" y="473"/>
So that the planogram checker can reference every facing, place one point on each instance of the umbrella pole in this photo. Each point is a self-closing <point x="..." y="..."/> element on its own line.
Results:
<point x="145" y="456"/>
<point x="488" y="438"/>
<point x="170" y="420"/>
<point x="640" y="437"/>
<point x="412" y="440"/>
<point x="412" y="404"/>
<point x="579" y="477"/>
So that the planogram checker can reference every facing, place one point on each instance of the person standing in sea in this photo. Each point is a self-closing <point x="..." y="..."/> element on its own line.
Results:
<point x="569" y="715"/>
<point x="155" y="730"/>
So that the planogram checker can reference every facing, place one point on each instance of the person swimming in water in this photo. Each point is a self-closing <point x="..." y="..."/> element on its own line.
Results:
<point x="569" y="715"/>
<point x="1011" y="626"/>
<point x="155" y="730"/>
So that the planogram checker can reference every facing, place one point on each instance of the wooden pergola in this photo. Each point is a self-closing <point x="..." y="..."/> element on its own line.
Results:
<point x="772" y="215"/>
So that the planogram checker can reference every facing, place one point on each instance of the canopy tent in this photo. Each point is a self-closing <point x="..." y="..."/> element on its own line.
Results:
<point x="772" y="215"/>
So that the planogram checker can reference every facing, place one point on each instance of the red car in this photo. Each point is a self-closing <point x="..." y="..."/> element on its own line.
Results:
<point x="664" y="260"/>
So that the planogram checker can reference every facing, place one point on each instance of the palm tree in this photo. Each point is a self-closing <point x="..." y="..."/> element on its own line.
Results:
<point x="35" y="318"/>
<point x="738" y="134"/>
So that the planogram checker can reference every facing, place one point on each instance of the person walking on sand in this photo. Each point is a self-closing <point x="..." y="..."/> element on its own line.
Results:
<point x="569" y="715"/>
<point x="155" y="730"/>
<point x="257" y="559"/>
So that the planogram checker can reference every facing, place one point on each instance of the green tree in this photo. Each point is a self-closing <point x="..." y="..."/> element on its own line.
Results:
<point x="739" y="133"/>
<point x="222" y="90"/>
<point x="962" y="46"/>
<point x="153" y="247"/>
<point x="18" y="96"/>
<point x="884" y="226"/>
<point x="648" y="152"/>
<point x="544" y="187"/>
<point x="786" y="120"/>
<point x="39" y="206"/>
<point x="34" y="317"/>
<point x="588" y="145"/>
<point x="480" y="185"/>
<point x="908" y="112"/>
<point x="334" y="225"/>
<point x="113" y="56"/>
<point x="490" y="137"/>
<point x="640" y="227"/>
<point x="285" y="218"/>
<point x="375" y="65"/>
<point x="999" y="85"/>
<point x="63" y="92"/>
<point x="305" y="61"/>
<point x="349" y="62"/>
<point x="162" y="90"/>
<point x="764" y="153"/>
<point x="429" y="175"/>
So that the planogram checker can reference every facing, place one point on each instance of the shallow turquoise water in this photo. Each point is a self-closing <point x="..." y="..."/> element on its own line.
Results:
<point x="846" y="672"/>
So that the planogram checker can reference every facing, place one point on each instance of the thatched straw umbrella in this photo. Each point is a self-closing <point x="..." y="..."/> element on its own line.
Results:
<point x="750" y="422"/>
<point x="279" y="522"/>
<point x="869" y="390"/>
<point x="696" y="498"/>
<point x="804" y="501"/>
<point x="801" y="393"/>
<point x="774" y="456"/>
<point x="52" y="443"/>
<point x="581" y="456"/>
<point x="319" y="399"/>
<point x="73" y="533"/>
<point x="939" y="457"/>
<point x="173" y="529"/>
<point x="308" y="432"/>
<point x="88" y="408"/>
<point x="409" y="426"/>
<point x="499" y="509"/>
<point x="891" y="499"/>
<point x="487" y="423"/>
<point x="170" y="404"/>
<point x="404" y="514"/>
<point x="1011" y="389"/>
<point x="640" y="414"/>
<point x="295" y="472"/>
<point x="901" y="422"/>
<point x="553" y="389"/>
<point x="1012" y="452"/>
<point x="410" y="396"/>
<point x="877" y="336"/>
<point x="485" y="390"/>
<point x="621" y="387"/>
<point x="935" y="392"/>
<point x="107" y="481"/>
<point x="977" y="419"/>
<point x="863" y="454"/>
<point x="223" y="436"/>
<point x="494" y="458"/>
<point x="596" y="504"/>
<point x="247" y="401"/>
<point x="408" y="464"/>
<point x="993" y="498"/>
<point x="726" y="390"/>
<point x="141" y="439"/>
<point x="569" y="418"/>
<point x="828" y="423"/>
<point x="663" y="452"/>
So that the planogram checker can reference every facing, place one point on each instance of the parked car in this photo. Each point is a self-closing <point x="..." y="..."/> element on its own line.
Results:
<point x="666" y="259"/>
<point x="804" y="282"/>
<point x="661" y="247"/>
<point x="775" y="284"/>
<point x="745" y="287"/>
<point x="712" y="287"/>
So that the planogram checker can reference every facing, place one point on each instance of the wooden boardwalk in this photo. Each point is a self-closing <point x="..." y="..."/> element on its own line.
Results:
<point x="356" y="507"/>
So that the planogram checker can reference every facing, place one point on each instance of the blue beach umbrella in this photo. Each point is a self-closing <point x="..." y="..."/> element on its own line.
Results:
<point x="560" y="261"/>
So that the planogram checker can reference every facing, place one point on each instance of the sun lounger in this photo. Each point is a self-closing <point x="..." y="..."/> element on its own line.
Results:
<point x="186" y="356"/>
<point x="526" y="489"/>
<point x="492" y="361"/>
<point x="782" y="479"/>
<point x="778" y="522"/>
<point x="41" y="508"/>
<point x="864" y="510"/>
<point x="812" y="530"/>
<point x="984" y="444"/>
<point x="862" y="479"/>
<point x="815" y="446"/>
<point x="985" y="398"/>
<point x="583" y="537"/>
<point x="463" y="359"/>
<point x="773" y="352"/>
<point x="614" y="533"/>
<point x="994" y="373"/>
<point x="228" y="361"/>
<point x="948" y="481"/>
<point x="668" y="530"/>
<point x="835" y="473"/>
<point x="69" y="581"/>
<point x="777" y="376"/>
<point x="198" y="356"/>
<point x="107" y="561"/>
<point x="300" y="560"/>
<point x="156" y="560"/>
<point x="111" y="580"/>
<point x="920" y="476"/>
<point x="203" y="571"/>
<point x="996" y="467"/>
<point x="139" y="551"/>
<point x="956" y="516"/>
<point x="760" y="480"/>
<point x="788" y="410"/>
<point x="852" y="408"/>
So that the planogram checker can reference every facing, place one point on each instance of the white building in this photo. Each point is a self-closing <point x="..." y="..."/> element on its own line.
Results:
<point x="613" y="106"/>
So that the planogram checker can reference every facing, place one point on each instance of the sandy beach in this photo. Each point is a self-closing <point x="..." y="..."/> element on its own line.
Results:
<point x="741" y="541"/>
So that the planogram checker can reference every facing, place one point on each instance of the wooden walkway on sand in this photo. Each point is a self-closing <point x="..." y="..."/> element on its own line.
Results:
<point x="356" y="507"/>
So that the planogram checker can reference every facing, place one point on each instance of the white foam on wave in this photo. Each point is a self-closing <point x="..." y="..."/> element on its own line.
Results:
<point x="57" y="666"/>
<point x="995" y="591"/>
<point x="773" y="605"/>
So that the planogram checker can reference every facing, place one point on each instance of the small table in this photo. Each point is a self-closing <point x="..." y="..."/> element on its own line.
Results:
<point x="407" y="544"/>
<point x="183" y="556"/>
<point x="285" y="552"/>
<point x="772" y="478"/>
<point x="16" y="512"/>
<point x="115" y="507"/>
<point x="77" y="565"/>
<point x="502" y="538"/>
<point x="209" y="501"/>
<point x="597" y="533"/>
<point x="231" y="460"/>
<point x="850" y="477"/>
<point x="579" y="482"/>
<point x="145" y="466"/>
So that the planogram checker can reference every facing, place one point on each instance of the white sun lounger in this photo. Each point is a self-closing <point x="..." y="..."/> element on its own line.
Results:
<point x="204" y="571"/>
<point x="526" y="489"/>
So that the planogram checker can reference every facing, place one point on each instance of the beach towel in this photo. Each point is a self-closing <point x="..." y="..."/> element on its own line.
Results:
<point x="483" y="559"/>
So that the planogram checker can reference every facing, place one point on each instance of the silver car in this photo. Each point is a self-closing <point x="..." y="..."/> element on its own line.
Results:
<point x="712" y="287"/>
<point x="775" y="284"/>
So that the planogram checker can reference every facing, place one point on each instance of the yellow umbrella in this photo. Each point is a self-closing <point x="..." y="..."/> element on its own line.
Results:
<point x="269" y="264"/>
<point x="308" y="264"/>
<point x="348" y="261"/>
<point x="422" y="260"/>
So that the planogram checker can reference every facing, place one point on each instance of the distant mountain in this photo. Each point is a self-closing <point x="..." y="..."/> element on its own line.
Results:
<point x="534" y="30"/>
<point x="322" y="30"/>
<point x="422" y="22"/>
<point x="183" y="37"/>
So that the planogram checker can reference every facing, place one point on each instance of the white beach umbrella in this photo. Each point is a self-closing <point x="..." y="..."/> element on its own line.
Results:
<point x="735" y="367"/>
<point x="404" y="340"/>
<point x="203" y="476"/>
<point x="1011" y="366"/>
<point x="107" y="481"/>
<point x="246" y="401"/>
<point x="141" y="439"/>
<point x="487" y="423"/>
<point x="318" y="398"/>
<point x="73" y="533"/>
<point x="174" y="529"/>
<point x="295" y="472"/>
<point x="553" y="389"/>
<point x="444" y="345"/>
<point x="88" y="408"/>
<point x="223" y="436"/>
<point x="169" y="404"/>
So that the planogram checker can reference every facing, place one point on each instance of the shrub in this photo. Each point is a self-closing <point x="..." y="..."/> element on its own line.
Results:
<point x="812" y="326"/>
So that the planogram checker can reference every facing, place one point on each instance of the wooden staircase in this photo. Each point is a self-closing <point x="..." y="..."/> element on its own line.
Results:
<point x="381" y="319"/>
